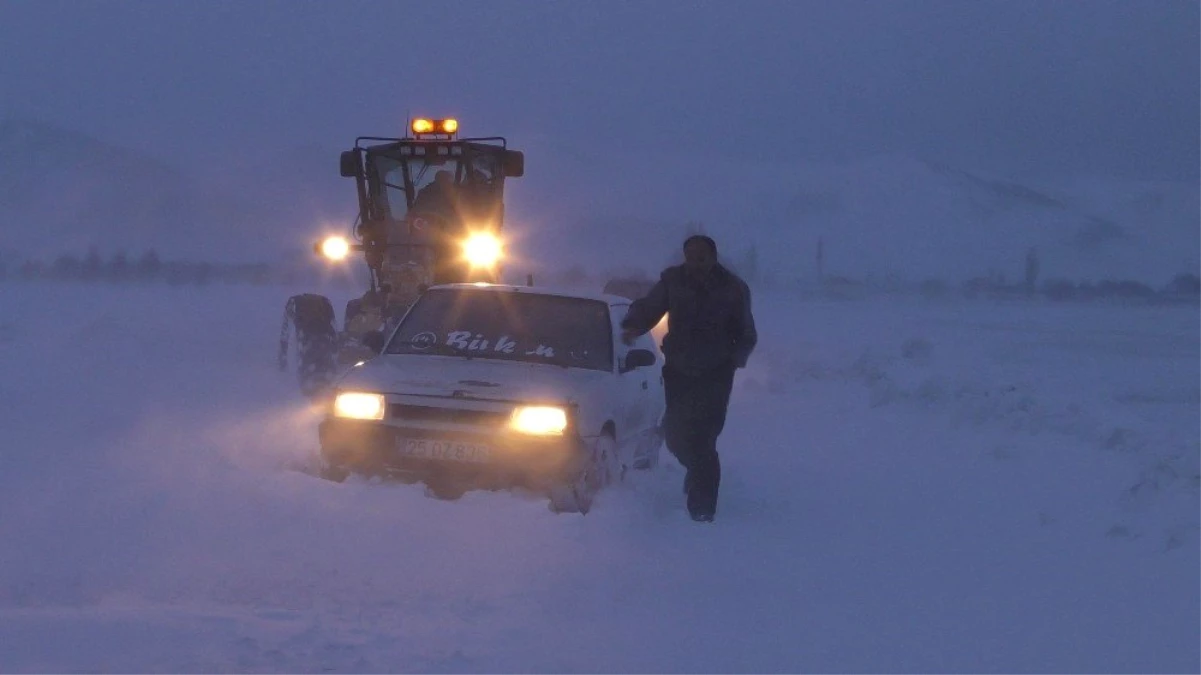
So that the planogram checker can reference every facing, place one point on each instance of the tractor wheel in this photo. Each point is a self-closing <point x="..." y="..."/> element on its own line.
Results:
<point x="353" y="307"/>
<point x="312" y="319"/>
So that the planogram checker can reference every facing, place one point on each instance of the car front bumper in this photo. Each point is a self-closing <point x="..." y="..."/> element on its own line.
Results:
<point x="373" y="447"/>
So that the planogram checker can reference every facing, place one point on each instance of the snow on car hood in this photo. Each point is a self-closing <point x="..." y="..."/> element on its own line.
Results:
<point x="424" y="375"/>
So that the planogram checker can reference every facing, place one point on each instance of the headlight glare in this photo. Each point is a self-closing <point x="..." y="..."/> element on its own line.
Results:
<point x="359" y="406"/>
<point x="539" y="420"/>
<point x="335" y="248"/>
<point x="482" y="249"/>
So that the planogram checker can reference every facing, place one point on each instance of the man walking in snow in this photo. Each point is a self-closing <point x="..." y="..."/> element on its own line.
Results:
<point x="710" y="333"/>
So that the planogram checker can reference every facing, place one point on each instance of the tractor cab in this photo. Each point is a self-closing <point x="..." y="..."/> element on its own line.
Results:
<point x="431" y="204"/>
<point x="431" y="211"/>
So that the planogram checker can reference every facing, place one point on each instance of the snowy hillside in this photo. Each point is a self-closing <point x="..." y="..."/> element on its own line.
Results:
<point x="908" y="487"/>
<point x="61" y="190"/>
<point x="64" y="192"/>
<point x="880" y="217"/>
<point x="1166" y="216"/>
<point x="917" y="219"/>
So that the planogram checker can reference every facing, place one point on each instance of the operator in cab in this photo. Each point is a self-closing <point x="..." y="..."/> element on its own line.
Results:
<point x="437" y="203"/>
<point x="439" y="198"/>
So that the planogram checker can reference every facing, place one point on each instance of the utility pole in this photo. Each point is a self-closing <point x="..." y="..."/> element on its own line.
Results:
<point x="821" y="261"/>
<point x="1032" y="269"/>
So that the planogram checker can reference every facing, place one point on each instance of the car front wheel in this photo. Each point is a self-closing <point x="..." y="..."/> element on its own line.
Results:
<point x="648" y="457"/>
<point x="602" y="468"/>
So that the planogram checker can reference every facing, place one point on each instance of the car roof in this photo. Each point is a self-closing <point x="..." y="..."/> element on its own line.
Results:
<point x="538" y="290"/>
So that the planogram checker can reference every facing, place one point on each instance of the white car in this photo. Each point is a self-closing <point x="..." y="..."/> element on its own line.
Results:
<point x="493" y="386"/>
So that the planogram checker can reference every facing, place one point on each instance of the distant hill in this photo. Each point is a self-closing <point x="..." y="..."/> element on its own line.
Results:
<point x="913" y="219"/>
<point x="63" y="191"/>
<point x="601" y="209"/>
<point x="881" y="216"/>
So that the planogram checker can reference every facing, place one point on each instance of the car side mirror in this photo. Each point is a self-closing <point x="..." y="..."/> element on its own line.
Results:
<point x="349" y="164"/>
<point x="373" y="340"/>
<point x="514" y="164"/>
<point x="638" y="358"/>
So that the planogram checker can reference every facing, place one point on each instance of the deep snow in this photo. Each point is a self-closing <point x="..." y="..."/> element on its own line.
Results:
<point x="909" y="486"/>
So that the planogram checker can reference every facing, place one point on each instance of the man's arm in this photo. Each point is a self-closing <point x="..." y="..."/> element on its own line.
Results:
<point x="645" y="313"/>
<point x="748" y="336"/>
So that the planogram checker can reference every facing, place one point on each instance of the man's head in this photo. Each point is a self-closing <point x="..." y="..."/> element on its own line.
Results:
<point x="700" y="254"/>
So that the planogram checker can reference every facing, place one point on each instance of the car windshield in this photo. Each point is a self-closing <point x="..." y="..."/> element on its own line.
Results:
<point x="510" y="326"/>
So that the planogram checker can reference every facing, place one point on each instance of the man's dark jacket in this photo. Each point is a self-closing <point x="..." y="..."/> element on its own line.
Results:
<point x="709" y="321"/>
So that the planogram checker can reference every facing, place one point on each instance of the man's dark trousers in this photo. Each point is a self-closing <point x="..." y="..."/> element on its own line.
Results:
<point x="695" y="417"/>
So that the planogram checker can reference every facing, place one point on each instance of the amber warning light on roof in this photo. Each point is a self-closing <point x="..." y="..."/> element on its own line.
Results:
<point x="423" y="125"/>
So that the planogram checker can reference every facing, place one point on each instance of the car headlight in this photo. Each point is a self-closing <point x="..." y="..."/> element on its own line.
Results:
<point x="357" y="405"/>
<point x="539" y="420"/>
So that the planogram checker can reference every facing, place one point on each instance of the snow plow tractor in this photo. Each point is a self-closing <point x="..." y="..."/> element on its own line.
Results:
<point x="431" y="211"/>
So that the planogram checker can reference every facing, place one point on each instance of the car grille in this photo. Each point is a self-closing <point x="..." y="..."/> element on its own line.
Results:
<point x="418" y="413"/>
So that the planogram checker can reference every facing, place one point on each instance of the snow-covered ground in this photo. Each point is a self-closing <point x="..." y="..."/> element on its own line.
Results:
<point x="909" y="487"/>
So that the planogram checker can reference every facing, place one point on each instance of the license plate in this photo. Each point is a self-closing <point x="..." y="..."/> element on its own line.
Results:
<point x="453" y="451"/>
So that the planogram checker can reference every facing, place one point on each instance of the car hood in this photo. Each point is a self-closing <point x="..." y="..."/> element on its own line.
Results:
<point x="422" y="375"/>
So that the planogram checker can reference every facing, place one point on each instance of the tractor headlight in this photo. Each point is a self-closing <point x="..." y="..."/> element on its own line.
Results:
<point x="357" y="405"/>
<point x="539" y="420"/>
<point x="335" y="248"/>
<point x="482" y="249"/>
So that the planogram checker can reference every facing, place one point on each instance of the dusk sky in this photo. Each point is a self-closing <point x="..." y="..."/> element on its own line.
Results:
<point x="1098" y="87"/>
